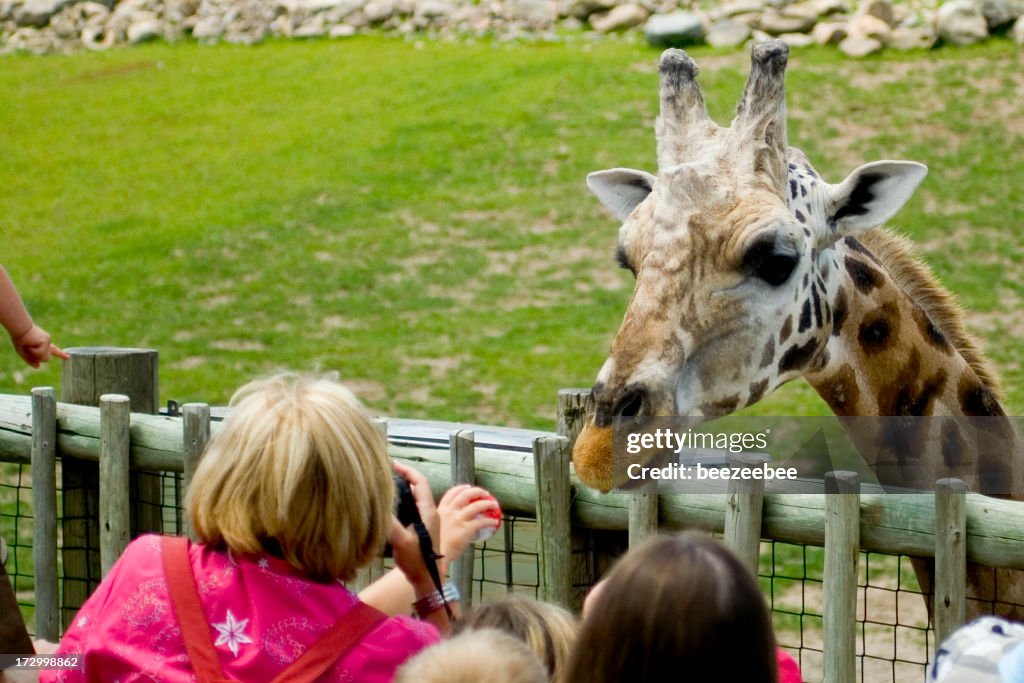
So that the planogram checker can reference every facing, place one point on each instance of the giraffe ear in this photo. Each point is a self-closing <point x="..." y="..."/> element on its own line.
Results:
<point x="872" y="194"/>
<point x="621" y="189"/>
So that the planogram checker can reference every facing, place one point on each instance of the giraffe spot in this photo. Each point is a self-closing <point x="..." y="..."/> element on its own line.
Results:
<point x="768" y="355"/>
<point x="839" y="313"/>
<point x="876" y="333"/>
<point x="825" y="270"/>
<point x="864" y="277"/>
<point x="805" y="316"/>
<point x="976" y="400"/>
<point x="932" y="334"/>
<point x="807" y="279"/>
<point x="757" y="390"/>
<point x="953" y="445"/>
<point x="800" y="217"/>
<point x="722" y="407"/>
<point x="856" y="246"/>
<point x="841" y="391"/>
<point x="797" y="357"/>
<point x="817" y="307"/>
<point x="994" y="475"/>
<point x="803" y="191"/>
<point x="787" y="329"/>
<point x="792" y="188"/>
<point x="911" y="393"/>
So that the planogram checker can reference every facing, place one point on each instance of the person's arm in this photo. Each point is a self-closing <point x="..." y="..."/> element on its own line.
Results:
<point x="460" y="519"/>
<point x="30" y="341"/>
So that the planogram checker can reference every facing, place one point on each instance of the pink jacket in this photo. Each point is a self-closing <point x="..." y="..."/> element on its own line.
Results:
<point x="263" y="615"/>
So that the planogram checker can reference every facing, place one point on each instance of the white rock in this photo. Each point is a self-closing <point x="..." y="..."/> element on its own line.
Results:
<point x="829" y="32"/>
<point x="36" y="13"/>
<point x="961" y="22"/>
<point x="869" y="26"/>
<point x="1018" y="31"/>
<point x="314" y="28"/>
<point x="208" y="29"/>
<point x="881" y="9"/>
<point x="581" y="9"/>
<point x="727" y="33"/>
<point x="378" y="11"/>
<point x="797" y="39"/>
<point x="433" y="9"/>
<point x="912" y="38"/>
<point x="1000" y="13"/>
<point x="776" y="23"/>
<point x="860" y="46"/>
<point x="731" y="9"/>
<point x="95" y="38"/>
<point x="143" y="30"/>
<point x="342" y="31"/>
<point x="829" y="7"/>
<point x="619" y="19"/>
<point x="678" y="28"/>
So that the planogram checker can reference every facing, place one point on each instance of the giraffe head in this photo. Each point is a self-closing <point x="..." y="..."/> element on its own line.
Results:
<point x="732" y="246"/>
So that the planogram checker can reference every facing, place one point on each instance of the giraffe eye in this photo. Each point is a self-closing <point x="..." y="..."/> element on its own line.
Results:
<point x="766" y="261"/>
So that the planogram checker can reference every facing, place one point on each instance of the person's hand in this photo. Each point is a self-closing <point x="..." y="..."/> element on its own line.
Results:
<point x="405" y="549"/>
<point x="35" y="347"/>
<point x="461" y="518"/>
<point x="424" y="500"/>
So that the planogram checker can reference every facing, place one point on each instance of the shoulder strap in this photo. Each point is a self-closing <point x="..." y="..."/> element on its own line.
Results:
<point x="195" y="631"/>
<point x="334" y="645"/>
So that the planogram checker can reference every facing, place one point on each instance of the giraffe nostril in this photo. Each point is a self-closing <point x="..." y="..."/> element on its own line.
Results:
<point x="630" y="405"/>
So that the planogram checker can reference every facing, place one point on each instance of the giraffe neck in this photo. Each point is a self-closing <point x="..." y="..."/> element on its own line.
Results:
<point x="886" y="356"/>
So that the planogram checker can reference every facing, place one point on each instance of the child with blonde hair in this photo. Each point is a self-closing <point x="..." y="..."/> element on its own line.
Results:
<point x="475" y="656"/>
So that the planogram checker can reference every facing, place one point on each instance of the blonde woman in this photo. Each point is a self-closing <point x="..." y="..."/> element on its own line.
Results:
<point x="293" y="495"/>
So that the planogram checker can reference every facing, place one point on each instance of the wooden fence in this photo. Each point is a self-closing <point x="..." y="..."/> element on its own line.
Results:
<point x="116" y="440"/>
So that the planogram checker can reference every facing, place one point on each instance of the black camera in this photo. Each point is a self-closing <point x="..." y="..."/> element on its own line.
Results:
<point x="405" y="506"/>
<point x="405" y="503"/>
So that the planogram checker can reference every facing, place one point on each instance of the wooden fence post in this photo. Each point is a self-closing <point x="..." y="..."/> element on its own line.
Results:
<point x="839" y="584"/>
<point x="115" y="508"/>
<point x="554" y="495"/>
<point x="462" y="459"/>
<point x="90" y="373"/>
<point x="950" y="557"/>
<point x="44" y="511"/>
<point x="743" y="508"/>
<point x="593" y="550"/>
<point x="195" y="423"/>
<point x="643" y="516"/>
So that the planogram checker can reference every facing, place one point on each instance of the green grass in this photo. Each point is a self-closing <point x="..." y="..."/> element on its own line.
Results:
<point x="414" y="215"/>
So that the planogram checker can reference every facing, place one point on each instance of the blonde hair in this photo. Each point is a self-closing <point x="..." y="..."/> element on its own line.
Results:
<point x="473" y="656"/>
<point x="297" y="468"/>
<point x="547" y="629"/>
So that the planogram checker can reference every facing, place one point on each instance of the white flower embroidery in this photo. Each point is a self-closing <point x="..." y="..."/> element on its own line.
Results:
<point x="82" y="621"/>
<point x="263" y="563"/>
<point x="230" y="632"/>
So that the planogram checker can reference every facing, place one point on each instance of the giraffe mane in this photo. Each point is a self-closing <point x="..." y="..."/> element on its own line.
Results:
<point x="900" y="258"/>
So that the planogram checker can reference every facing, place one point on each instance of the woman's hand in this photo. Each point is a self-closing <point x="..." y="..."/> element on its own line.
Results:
<point x="460" y="512"/>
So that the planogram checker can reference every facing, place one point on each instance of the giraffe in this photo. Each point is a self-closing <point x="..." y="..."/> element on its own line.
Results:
<point x="751" y="270"/>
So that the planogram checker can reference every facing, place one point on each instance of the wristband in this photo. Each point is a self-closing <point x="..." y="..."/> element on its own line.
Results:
<point x="435" y="600"/>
